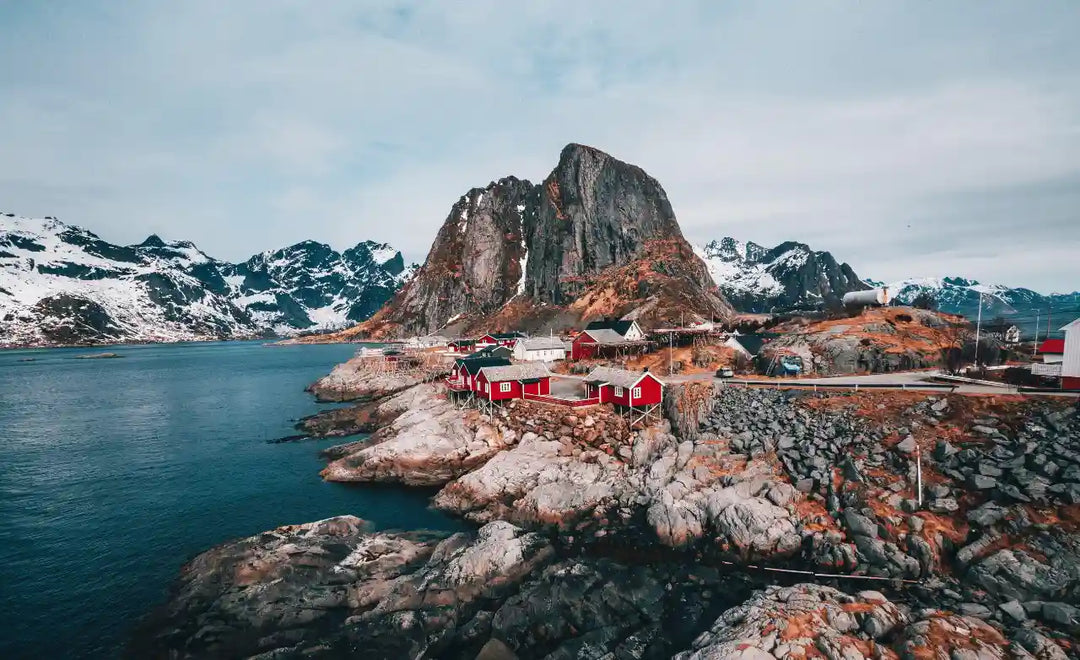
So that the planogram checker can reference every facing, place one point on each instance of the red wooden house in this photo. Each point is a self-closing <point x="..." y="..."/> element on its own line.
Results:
<point x="506" y="339"/>
<point x="597" y="342"/>
<point x="462" y="345"/>
<point x="640" y="392"/>
<point x="464" y="373"/>
<point x="513" y="381"/>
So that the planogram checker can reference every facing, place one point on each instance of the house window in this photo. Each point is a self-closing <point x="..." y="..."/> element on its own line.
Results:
<point x="487" y="387"/>
<point x="635" y="393"/>
<point x="504" y="387"/>
<point x="618" y="391"/>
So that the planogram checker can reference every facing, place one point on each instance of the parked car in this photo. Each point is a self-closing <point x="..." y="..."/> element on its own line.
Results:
<point x="725" y="372"/>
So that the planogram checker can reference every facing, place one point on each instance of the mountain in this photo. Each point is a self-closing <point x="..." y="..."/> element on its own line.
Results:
<point x="788" y="276"/>
<point x="310" y="286"/>
<point x="61" y="284"/>
<point x="1019" y="306"/>
<point x="597" y="238"/>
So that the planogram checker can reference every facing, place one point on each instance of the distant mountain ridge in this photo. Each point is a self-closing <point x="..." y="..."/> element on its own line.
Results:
<point x="789" y="276"/>
<point x="1017" y="305"/>
<point x="61" y="284"/>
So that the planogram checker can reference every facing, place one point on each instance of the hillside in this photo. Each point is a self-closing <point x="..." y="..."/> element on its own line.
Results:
<point x="876" y="340"/>
<point x="61" y="284"/>
<point x="597" y="238"/>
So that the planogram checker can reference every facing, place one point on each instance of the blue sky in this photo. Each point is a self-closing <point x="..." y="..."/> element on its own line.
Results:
<point x="910" y="139"/>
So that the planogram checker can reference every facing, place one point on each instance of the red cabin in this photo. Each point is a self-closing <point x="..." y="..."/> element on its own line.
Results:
<point x="462" y="345"/>
<point x="625" y="388"/>
<point x="604" y="342"/>
<point x="506" y="339"/>
<point x="463" y="376"/>
<point x="513" y="382"/>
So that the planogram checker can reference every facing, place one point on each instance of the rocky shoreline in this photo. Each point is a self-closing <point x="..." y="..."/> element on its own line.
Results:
<point x="597" y="541"/>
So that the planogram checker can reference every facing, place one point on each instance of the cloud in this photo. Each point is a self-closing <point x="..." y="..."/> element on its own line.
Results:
<point x="907" y="140"/>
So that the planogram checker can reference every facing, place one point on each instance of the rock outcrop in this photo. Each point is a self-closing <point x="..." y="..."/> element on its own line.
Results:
<point x="331" y="588"/>
<point x="355" y="380"/>
<point x="874" y="341"/>
<point x="425" y="442"/>
<point x="518" y="254"/>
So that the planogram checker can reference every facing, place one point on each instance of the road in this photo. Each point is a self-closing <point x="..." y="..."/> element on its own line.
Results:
<point x="910" y="380"/>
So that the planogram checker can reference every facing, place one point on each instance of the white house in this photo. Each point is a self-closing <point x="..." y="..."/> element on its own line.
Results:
<point x="1070" y="362"/>
<point x="1012" y="335"/>
<point x="539" y="349"/>
<point x="427" y="341"/>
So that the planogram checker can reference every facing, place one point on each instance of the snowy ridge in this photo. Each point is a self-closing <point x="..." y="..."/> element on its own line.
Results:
<point x="790" y="275"/>
<point x="60" y="284"/>
<point x="1016" y="305"/>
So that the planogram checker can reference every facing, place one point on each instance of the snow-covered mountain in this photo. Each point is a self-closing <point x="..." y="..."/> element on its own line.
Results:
<point x="791" y="275"/>
<point x="1019" y="306"/>
<point x="61" y="284"/>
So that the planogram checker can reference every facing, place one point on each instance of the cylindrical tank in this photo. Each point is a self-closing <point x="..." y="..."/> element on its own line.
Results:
<point x="867" y="298"/>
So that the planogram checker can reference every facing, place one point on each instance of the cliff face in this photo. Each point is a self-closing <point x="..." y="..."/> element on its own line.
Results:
<point x="519" y="254"/>
<point x="595" y="212"/>
<point x="476" y="262"/>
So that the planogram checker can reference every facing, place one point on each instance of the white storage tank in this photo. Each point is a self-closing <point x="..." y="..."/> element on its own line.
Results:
<point x="867" y="298"/>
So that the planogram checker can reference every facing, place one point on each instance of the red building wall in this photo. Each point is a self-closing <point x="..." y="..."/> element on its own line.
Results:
<point x="1070" y="383"/>
<point x="495" y="394"/>
<point x="579" y="350"/>
<point x="651" y="393"/>
<point x="542" y="386"/>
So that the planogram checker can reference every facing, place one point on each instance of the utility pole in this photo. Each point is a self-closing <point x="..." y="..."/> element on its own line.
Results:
<point x="918" y="471"/>
<point x="978" y="329"/>
<point x="1035" y="349"/>
<point x="1049" y="311"/>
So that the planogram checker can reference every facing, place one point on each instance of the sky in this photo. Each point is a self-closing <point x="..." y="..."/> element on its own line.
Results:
<point x="909" y="139"/>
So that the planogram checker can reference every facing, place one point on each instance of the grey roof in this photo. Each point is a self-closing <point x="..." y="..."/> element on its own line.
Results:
<point x="527" y="371"/>
<point x="543" y="344"/>
<point x="619" y="377"/>
<point x="619" y="327"/>
<point x="611" y="338"/>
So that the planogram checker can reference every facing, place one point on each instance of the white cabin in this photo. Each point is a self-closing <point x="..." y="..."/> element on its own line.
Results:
<point x="539" y="349"/>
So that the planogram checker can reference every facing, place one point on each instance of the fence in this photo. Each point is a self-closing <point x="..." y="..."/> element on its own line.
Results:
<point x="780" y="385"/>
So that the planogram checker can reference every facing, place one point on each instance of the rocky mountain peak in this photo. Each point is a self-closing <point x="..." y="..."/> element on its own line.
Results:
<point x="730" y="249"/>
<point x="152" y="241"/>
<point x="535" y="245"/>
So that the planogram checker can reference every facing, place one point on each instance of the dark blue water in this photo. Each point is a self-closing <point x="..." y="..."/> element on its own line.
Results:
<point x="115" y="472"/>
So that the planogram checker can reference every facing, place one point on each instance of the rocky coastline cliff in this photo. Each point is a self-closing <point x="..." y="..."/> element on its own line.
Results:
<point x="749" y="524"/>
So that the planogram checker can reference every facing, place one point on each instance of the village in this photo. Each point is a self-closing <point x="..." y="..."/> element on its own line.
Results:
<point x="621" y="363"/>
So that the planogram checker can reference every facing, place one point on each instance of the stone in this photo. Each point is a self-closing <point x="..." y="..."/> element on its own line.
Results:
<point x="1060" y="613"/>
<point x="944" y="505"/>
<point x="987" y="515"/>
<point x="859" y="524"/>
<point x="1014" y="610"/>
<point x="982" y="482"/>
<point x="908" y="445"/>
